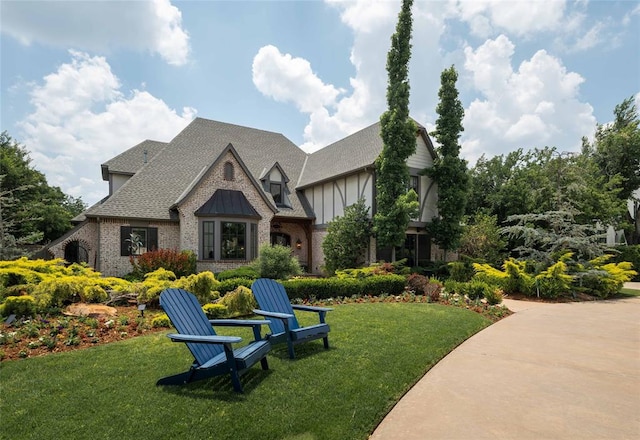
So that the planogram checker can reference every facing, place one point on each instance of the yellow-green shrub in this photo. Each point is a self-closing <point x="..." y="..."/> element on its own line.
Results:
<point x="553" y="281"/>
<point x="19" y="305"/>
<point x="63" y="290"/>
<point x="202" y="285"/>
<point x="93" y="294"/>
<point x="161" y="320"/>
<point x="215" y="310"/>
<point x="239" y="302"/>
<point x="608" y="278"/>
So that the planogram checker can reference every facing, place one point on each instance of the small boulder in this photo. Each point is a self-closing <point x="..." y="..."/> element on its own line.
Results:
<point x="91" y="310"/>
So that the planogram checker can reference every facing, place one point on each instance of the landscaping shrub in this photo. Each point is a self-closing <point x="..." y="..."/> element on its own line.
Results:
<point x="630" y="254"/>
<point x="452" y="287"/>
<point x="19" y="305"/>
<point x="239" y="302"/>
<point x="324" y="288"/>
<point x="276" y="262"/>
<point x="434" y="289"/>
<point x="553" y="281"/>
<point x="181" y="263"/>
<point x="477" y="289"/>
<point x="203" y="285"/>
<point x="93" y="294"/>
<point x="606" y="279"/>
<point x="231" y="284"/>
<point x="461" y="270"/>
<point x="247" y="272"/>
<point x="215" y="310"/>
<point x="61" y="291"/>
<point x="417" y="283"/>
<point x="161" y="320"/>
<point x="493" y="296"/>
<point x="154" y="283"/>
<point x="517" y="279"/>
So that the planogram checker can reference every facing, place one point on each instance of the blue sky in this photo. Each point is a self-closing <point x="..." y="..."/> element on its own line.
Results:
<point x="82" y="81"/>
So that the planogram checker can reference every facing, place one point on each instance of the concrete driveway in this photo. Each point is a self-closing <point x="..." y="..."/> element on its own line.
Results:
<point x="549" y="371"/>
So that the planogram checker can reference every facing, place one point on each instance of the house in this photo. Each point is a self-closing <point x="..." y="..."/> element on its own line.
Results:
<point x="223" y="190"/>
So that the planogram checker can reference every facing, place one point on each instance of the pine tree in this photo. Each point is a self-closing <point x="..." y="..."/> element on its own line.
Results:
<point x="449" y="170"/>
<point x="396" y="205"/>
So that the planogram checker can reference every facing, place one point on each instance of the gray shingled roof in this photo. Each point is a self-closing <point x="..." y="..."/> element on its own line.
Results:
<point x="133" y="159"/>
<point x="355" y="152"/>
<point x="343" y="157"/>
<point x="157" y="185"/>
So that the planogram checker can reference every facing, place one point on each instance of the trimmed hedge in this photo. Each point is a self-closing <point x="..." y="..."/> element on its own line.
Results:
<point x="325" y="288"/>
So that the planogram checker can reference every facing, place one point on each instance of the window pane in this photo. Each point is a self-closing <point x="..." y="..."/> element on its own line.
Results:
<point x="232" y="237"/>
<point x="137" y="241"/>
<point x="207" y="240"/>
<point x="276" y="192"/>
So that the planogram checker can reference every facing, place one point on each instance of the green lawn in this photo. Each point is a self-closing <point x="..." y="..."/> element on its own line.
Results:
<point x="378" y="352"/>
<point x="629" y="292"/>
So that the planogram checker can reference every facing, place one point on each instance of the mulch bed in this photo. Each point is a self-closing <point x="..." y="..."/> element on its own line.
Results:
<point x="40" y="336"/>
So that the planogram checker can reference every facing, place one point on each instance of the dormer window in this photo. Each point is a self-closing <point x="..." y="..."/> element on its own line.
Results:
<point x="228" y="171"/>
<point x="276" y="192"/>
<point x="274" y="181"/>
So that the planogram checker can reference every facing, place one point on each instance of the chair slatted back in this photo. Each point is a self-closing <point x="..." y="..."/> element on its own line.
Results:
<point x="187" y="317"/>
<point x="272" y="297"/>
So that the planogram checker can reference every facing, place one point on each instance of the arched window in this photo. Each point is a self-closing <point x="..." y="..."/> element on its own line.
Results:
<point x="281" y="239"/>
<point x="228" y="171"/>
<point x="75" y="252"/>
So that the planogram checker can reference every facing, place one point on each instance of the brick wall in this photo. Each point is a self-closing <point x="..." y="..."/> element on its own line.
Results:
<point x="213" y="180"/>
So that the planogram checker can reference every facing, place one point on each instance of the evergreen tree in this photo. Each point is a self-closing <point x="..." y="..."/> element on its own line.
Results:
<point x="449" y="170"/>
<point x="395" y="205"/>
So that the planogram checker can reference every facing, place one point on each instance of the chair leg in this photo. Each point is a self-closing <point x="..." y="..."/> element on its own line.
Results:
<point x="326" y="342"/>
<point x="292" y="354"/>
<point x="233" y="370"/>
<point x="264" y="363"/>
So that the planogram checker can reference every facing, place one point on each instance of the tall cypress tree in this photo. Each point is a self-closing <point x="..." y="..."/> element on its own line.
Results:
<point x="449" y="170"/>
<point x="394" y="205"/>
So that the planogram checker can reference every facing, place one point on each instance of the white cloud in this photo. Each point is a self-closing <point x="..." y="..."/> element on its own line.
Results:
<point x="81" y="118"/>
<point x="529" y="107"/>
<point x="519" y="18"/>
<point x="154" y="26"/>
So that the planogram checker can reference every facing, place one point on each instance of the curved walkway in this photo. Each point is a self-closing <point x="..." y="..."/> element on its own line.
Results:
<point x="549" y="371"/>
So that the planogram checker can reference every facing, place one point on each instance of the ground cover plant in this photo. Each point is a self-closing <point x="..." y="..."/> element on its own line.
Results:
<point x="378" y="351"/>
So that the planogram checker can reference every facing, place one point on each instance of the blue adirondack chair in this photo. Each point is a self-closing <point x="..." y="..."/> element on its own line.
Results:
<point x="274" y="304"/>
<point x="213" y="354"/>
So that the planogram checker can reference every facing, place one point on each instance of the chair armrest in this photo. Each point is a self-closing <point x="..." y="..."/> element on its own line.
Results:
<point x="175" y="337"/>
<point x="239" y="322"/>
<point x="276" y="315"/>
<point x="311" y="308"/>
<point x="255" y="323"/>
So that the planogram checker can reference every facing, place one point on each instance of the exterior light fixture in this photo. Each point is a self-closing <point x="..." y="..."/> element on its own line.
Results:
<point x="298" y="244"/>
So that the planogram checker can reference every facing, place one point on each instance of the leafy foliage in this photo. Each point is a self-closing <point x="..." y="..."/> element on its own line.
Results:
<point x="449" y="170"/>
<point x="481" y="239"/>
<point x="181" y="263"/>
<point x="347" y="238"/>
<point x="396" y="205"/>
<point x="30" y="209"/>
<point x="277" y="262"/>
<point x="542" y="236"/>
<point x="239" y="302"/>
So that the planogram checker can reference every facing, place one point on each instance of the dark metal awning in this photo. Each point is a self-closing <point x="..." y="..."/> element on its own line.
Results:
<point x="228" y="203"/>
